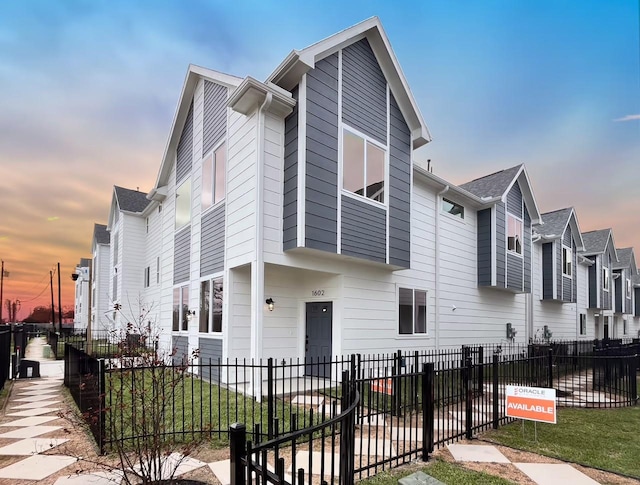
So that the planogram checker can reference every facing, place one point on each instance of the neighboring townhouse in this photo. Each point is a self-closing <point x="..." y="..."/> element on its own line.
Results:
<point x="81" y="307"/>
<point x="100" y="276"/>
<point x="624" y="272"/>
<point x="127" y="228"/>
<point x="560" y="279"/>
<point x="600" y="249"/>
<point x="636" y="305"/>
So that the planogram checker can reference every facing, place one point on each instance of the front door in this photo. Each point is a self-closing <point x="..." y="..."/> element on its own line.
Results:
<point x="318" y="339"/>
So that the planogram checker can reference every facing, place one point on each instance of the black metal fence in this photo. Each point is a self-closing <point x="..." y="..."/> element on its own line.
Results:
<point x="5" y="355"/>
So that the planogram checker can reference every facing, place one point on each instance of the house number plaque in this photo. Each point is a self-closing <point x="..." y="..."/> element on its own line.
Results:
<point x="317" y="292"/>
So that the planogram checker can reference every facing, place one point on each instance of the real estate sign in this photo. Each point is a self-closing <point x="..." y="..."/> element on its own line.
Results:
<point x="532" y="403"/>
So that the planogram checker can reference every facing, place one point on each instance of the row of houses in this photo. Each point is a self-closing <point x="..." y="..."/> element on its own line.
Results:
<point x="289" y="220"/>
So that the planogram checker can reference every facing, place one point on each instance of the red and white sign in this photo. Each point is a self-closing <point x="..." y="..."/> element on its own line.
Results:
<point x="532" y="403"/>
<point x="384" y="386"/>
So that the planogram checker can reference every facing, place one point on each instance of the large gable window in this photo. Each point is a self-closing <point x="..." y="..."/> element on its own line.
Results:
<point x="514" y="234"/>
<point x="412" y="311"/>
<point x="213" y="177"/>
<point x="183" y="204"/>
<point x="566" y="261"/>
<point x="363" y="166"/>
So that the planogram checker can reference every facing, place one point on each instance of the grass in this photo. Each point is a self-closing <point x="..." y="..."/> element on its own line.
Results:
<point x="448" y="473"/>
<point x="600" y="438"/>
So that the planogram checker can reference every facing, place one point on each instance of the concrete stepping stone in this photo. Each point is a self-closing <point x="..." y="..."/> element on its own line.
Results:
<point x="222" y="471"/>
<point x="305" y="400"/>
<point x="302" y="461"/>
<point x="478" y="453"/>
<point x="419" y="478"/>
<point x="37" y="467"/>
<point x="377" y="447"/>
<point x="31" y="421"/>
<point x="447" y="425"/>
<point x="34" y="411"/>
<point x="33" y="405"/>
<point x="412" y="435"/>
<point x="33" y="398"/>
<point x="31" y="446"/>
<point x="91" y="478"/>
<point x="29" y="432"/>
<point x="178" y="462"/>
<point x="554" y="473"/>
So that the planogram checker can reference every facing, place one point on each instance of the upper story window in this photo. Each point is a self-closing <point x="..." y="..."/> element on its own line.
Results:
<point x="628" y="288"/>
<point x="183" y="204"/>
<point x="412" y="311"/>
<point x="566" y="261"/>
<point x="514" y="234"/>
<point x="452" y="208"/>
<point x="605" y="278"/>
<point x="213" y="177"/>
<point x="363" y="166"/>
<point x="115" y="249"/>
<point x="211" y="295"/>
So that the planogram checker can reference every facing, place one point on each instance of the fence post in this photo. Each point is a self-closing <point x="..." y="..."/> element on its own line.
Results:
<point x="481" y="370"/>
<point x="496" y="391"/>
<point x="237" y="452"/>
<point x="550" y="367"/>
<point x="270" y="413"/>
<point x="347" y="435"/>
<point x="428" y="407"/>
<point x="101" y="400"/>
<point x="466" y="377"/>
<point x="633" y="371"/>
<point x="396" y="408"/>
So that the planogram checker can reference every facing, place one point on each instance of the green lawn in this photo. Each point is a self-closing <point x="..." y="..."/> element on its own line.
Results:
<point x="602" y="438"/>
<point x="448" y="473"/>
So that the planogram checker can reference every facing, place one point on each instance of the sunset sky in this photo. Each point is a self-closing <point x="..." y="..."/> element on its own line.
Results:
<point x="88" y="92"/>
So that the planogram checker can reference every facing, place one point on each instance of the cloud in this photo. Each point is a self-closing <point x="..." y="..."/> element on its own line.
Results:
<point x="628" y="118"/>
<point x="52" y="218"/>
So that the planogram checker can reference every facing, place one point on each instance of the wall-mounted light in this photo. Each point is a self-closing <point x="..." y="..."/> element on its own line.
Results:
<point x="190" y="314"/>
<point x="270" y="304"/>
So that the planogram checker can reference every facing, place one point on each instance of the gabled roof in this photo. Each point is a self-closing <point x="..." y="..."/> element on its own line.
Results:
<point x="497" y="185"/>
<point x="555" y="224"/>
<point x="130" y="200"/>
<point x="291" y="69"/>
<point x="100" y="234"/>
<point x="84" y="263"/>
<point x="626" y="260"/>
<point x="194" y="74"/>
<point x="598" y="242"/>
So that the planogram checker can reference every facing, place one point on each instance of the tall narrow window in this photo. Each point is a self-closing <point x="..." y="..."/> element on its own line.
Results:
<point x="183" y="204"/>
<point x="147" y="273"/>
<point x="158" y="270"/>
<point x="185" y="308"/>
<point x="514" y="234"/>
<point x="605" y="278"/>
<point x="115" y="249"/>
<point x="205" y="295"/>
<point x="628" y="288"/>
<point x="363" y="167"/>
<point x="180" y="308"/>
<point x="176" y="309"/>
<point x="583" y="324"/>
<point x="216" y="321"/>
<point x="213" y="177"/>
<point x="566" y="261"/>
<point x="412" y="311"/>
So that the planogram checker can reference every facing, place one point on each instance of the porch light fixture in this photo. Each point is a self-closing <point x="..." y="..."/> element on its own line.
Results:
<point x="270" y="303"/>
<point x="190" y="314"/>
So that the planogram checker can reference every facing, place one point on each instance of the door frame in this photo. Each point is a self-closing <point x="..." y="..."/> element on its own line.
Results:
<point x="302" y="324"/>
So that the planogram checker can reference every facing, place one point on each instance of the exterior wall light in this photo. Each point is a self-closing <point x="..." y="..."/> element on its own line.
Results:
<point x="270" y="303"/>
<point x="190" y="314"/>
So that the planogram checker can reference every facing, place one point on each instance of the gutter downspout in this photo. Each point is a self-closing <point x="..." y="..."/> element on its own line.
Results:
<point x="437" y="258"/>
<point x="257" y="268"/>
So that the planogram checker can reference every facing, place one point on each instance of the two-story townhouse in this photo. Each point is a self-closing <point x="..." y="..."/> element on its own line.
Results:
<point x="560" y="278"/>
<point x="101" y="305"/>
<point x="600" y="249"/>
<point x="126" y="226"/>
<point x="81" y="308"/>
<point x="624" y="272"/>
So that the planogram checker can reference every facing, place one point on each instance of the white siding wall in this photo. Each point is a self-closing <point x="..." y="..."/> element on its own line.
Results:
<point x="153" y="249"/>
<point x="238" y="317"/>
<point x="273" y="184"/>
<point x="131" y="272"/>
<point x="167" y="217"/>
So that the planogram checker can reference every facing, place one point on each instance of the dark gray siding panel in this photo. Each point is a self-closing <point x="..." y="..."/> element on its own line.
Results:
<point x="290" y="208"/>
<point x="567" y="239"/>
<point x="181" y="255"/>
<point x="618" y="295"/>
<point x="560" y="287"/>
<point x="636" y="294"/>
<point x="184" y="156"/>
<point x="567" y="289"/>
<point x="484" y="247"/>
<point x="574" y="270"/>
<point x="212" y="241"/>
<point x="321" y="191"/>
<point x="593" y="284"/>
<point x="181" y="347"/>
<point x="547" y="271"/>
<point x="514" y="201"/>
<point x="501" y="245"/>
<point x="527" y="252"/>
<point x="364" y="91"/>
<point x="399" y="189"/>
<point x="210" y="357"/>
<point x="514" y="272"/>
<point x="364" y="233"/>
<point x="215" y="115"/>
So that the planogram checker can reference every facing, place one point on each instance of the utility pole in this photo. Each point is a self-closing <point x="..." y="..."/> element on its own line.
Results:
<point x="59" y="300"/>
<point x="53" y="308"/>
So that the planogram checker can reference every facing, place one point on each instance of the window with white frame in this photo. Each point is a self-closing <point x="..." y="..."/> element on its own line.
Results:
<point x="147" y="275"/>
<point x="628" y="288"/>
<point x="114" y="293"/>
<point x="115" y="249"/>
<point x="211" y="298"/>
<point x="158" y="270"/>
<point x="452" y="208"/>
<point x="566" y="260"/>
<point x="183" y="204"/>
<point x="514" y="234"/>
<point x="180" y="308"/>
<point x="583" y="324"/>
<point x="605" y="278"/>
<point x="213" y="177"/>
<point x="624" y="326"/>
<point x="363" y="166"/>
<point x="412" y="311"/>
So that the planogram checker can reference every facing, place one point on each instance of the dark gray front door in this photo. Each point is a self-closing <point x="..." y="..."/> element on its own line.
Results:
<point x="318" y="339"/>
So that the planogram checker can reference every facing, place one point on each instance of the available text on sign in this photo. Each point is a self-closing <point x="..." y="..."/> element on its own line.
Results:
<point x="532" y="403"/>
